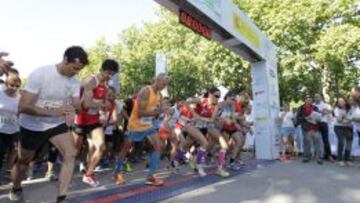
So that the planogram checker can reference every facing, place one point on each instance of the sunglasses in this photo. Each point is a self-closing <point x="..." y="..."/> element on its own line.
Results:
<point x="13" y="86"/>
<point x="217" y="96"/>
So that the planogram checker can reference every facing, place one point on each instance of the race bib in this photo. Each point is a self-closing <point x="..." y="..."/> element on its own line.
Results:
<point x="226" y="114"/>
<point x="201" y="124"/>
<point x="146" y="121"/>
<point x="93" y="111"/>
<point x="8" y="118"/>
<point x="50" y="104"/>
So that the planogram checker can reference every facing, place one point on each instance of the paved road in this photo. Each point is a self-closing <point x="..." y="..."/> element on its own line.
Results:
<point x="291" y="182"/>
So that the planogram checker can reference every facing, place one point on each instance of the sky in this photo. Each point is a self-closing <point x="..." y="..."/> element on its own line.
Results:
<point x="37" y="32"/>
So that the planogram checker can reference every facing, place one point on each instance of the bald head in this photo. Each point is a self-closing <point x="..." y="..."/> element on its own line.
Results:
<point x="162" y="76"/>
<point x="161" y="81"/>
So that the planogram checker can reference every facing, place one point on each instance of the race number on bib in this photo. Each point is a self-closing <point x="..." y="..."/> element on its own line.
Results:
<point x="226" y="114"/>
<point x="7" y="118"/>
<point x="50" y="104"/>
<point x="146" y="121"/>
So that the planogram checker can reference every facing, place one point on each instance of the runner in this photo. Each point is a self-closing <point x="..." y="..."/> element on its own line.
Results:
<point x="51" y="93"/>
<point x="87" y="123"/>
<point x="110" y="121"/>
<point x="208" y="110"/>
<point x="230" y="129"/>
<point x="344" y="131"/>
<point x="177" y="140"/>
<point x="326" y="111"/>
<point x="9" y="127"/>
<point x="287" y="131"/>
<point x="141" y="125"/>
<point x="10" y="71"/>
<point x="185" y="125"/>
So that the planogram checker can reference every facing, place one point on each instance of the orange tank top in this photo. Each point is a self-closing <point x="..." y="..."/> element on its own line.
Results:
<point x="137" y="123"/>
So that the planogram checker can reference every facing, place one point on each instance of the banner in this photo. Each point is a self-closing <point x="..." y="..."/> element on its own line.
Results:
<point x="160" y="67"/>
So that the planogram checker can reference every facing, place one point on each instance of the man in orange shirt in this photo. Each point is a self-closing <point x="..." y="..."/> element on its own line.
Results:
<point x="141" y="125"/>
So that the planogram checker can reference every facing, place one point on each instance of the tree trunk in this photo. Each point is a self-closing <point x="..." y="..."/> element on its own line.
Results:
<point x="325" y="83"/>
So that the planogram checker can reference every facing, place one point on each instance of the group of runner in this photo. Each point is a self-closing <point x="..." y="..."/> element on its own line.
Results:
<point x="77" y="118"/>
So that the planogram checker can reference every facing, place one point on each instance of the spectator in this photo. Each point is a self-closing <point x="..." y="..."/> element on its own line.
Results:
<point x="287" y="132"/>
<point x="325" y="110"/>
<point x="343" y="130"/>
<point x="307" y="117"/>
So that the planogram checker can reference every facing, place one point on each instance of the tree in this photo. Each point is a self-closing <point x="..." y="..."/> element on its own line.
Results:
<point x="97" y="54"/>
<point x="301" y="29"/>
<point x="318" y="44"/>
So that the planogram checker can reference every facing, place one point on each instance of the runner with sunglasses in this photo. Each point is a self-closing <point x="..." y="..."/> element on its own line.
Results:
<point x="208" y="112"/>
<point x="185" y="129"/>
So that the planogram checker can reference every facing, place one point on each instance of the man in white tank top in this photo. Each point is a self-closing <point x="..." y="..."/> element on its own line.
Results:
<point x="51" y="93"/>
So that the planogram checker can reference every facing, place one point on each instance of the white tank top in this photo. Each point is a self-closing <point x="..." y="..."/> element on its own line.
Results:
<point x="8" y="113"/>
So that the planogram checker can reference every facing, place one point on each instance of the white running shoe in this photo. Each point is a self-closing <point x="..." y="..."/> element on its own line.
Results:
<point x="201" y="170"/>
<point x="90" y="180"/>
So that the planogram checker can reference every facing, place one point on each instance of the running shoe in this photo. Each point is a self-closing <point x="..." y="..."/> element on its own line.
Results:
<point x="127" y="167"/>
<point x="16" y="196"/>
<point x="175" y="167"/>
<point x="200" y="170"/>
<point x="240" y="163"/>
<point x="341" y="163"/>
<point x="51" y="176"/>
<point x="223" y="173"/>
<point x="152" y="180"/>
<point x="234" y="166"/>
<point x="119" y="178"/>
<point x="192" y="163"/>
<point x="90" y="180"/>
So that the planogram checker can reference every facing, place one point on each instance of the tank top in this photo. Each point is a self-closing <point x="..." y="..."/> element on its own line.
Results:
<point x="8" y="113"/>
<point x="91" y="116"/>
<point x="204" y="109"/>
<point x="226" y="112"/>
<point x="107" y="118"/>
<point x="137" y="123"/>
<point x="238" y="108"/>
<point x="185" y="116"/>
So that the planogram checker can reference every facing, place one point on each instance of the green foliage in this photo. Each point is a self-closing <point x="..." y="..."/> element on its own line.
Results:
<point x="97" y="54"/>
<point x="194" y="63"/>
<point x="318" y="41"/>
<point x="318" y="44"/>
